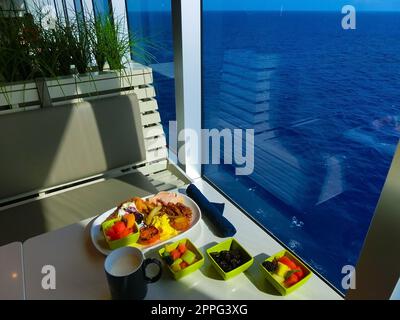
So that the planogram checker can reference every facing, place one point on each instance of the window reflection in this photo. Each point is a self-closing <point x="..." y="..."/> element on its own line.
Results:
<point x="324" y="106"/>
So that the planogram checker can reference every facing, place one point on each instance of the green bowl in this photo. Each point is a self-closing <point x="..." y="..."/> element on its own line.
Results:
<point x="126" y="241"/>
<point x="281" y="288"/>
<point x="190" y="269"/>
<point x="227" y="245"/>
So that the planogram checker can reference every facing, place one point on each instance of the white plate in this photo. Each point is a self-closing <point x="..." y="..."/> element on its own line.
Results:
<point x="100" y="243"/>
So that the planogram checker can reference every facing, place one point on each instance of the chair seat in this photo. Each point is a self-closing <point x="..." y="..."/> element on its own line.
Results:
<point x="40" y="216"/>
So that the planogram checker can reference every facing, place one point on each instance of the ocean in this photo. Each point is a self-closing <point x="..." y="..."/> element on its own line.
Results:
<point x="325" y="106"/>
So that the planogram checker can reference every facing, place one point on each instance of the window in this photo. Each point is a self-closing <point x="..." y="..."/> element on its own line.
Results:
<point x="102" y="7"/>
<point x="61" y="9"/>
<point x="78" y="7"/>
<point x="151" y="23"/>
<point x="323" y="100"/>
<point x="79" y="12"/>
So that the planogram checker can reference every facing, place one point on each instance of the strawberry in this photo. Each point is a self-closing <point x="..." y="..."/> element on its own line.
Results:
<point x="291" y="280"/>
<point x="183" y="264"/>
<point x="285" y="260"/>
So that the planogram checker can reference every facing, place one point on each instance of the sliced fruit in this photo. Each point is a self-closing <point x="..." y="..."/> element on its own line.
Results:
<point x="287" y="261"/>
<point x="111" y="234"/>
<point x="182" y="248"/>
<point x="189" y="256"/>
<point x="129" y="220"/>
<point x="183" y="265"/>
<point x="125" y="233"/>
<point x="291" y="280"/>
<point x="299" y="273"/>
<point x="140" y="205"/>
<point x="170" y="247"/>
<point x="175" y="254"/>
<point x="279" y="279"/>
<point x="152" y="214"/>
<point x="176" y="266"/>
<point x="119" y="226"/>
<point x="282" y="269"/>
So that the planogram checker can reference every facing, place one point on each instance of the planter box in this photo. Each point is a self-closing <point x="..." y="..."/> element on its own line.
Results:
<point x="136" y="77"/>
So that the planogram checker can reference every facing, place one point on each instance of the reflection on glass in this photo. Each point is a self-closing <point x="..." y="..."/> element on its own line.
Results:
<point x="151" y="22"/>
<point x="323" y="102"/>
<point x="101" y="7"/>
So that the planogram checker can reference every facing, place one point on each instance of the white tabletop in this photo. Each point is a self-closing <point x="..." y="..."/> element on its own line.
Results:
<point x="11" y="272"/>
<point x="80" y="274"/>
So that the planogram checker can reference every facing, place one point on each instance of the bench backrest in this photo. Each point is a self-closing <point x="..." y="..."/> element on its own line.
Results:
<point x="52" y="146"/>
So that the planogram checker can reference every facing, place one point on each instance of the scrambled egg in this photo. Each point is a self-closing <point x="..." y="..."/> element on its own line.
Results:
<point x="162" y="224"/>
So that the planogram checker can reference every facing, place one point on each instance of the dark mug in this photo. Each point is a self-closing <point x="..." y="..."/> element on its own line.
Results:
<point x="126" y="273"/>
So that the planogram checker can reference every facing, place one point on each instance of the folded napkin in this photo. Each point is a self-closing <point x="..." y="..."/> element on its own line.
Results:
<point x="214" y="212"/>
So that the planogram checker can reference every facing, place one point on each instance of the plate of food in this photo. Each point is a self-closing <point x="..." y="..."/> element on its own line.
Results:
<point x="145" y="222"/>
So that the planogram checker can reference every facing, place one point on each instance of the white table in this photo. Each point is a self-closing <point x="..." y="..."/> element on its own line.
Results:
<point x="80" y="274"/>
<point x="11" y="272"/>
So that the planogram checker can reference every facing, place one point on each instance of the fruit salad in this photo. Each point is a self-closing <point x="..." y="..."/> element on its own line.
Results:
<point x="121" y="228"/>
<point x="285" y="271"/>
<point x="178" y="256"/>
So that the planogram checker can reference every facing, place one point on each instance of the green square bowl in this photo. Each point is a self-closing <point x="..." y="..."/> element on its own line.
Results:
<point x="228" y="245"/>
<point x="124" y="242"/>
<point x="190" y="269"/>
<point x="281" y="288"/>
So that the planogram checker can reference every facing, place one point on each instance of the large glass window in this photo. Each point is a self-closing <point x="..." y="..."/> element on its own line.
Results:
<point x="320" y="88"/>
<point x="151" y="23"/>
<point x="102" y="7"/>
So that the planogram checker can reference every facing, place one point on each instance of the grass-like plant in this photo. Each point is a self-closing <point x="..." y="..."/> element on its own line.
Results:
<point x="15" y="58"/>
<point x="29" y="50"/>
<point x="108" y="41"/>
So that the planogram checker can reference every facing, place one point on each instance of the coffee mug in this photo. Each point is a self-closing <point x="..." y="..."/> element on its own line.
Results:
<point x="126" y="273"/>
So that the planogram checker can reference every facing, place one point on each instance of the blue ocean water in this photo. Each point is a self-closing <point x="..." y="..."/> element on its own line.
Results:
<point x="325" y="106"/>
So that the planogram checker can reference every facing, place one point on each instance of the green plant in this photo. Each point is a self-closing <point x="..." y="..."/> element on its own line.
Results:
<point x="109" y="42"/>
<point x="62" y="46"/>
<point x="29" y="50"/>
<point x="97" y="41"/>
<point x="15" y="58"/>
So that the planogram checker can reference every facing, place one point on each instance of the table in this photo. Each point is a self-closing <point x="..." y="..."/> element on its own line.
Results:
<point x="80" y="274"/>
<point x="11" y="272"/>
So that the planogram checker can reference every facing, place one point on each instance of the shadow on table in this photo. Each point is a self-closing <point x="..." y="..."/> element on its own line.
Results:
<point x="258" y="279"/>
<point x="184" y="288"/>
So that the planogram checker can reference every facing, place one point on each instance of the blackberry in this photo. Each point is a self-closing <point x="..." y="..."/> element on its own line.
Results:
<point x="138" y="217"/>
<point x="271" y="266"/>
